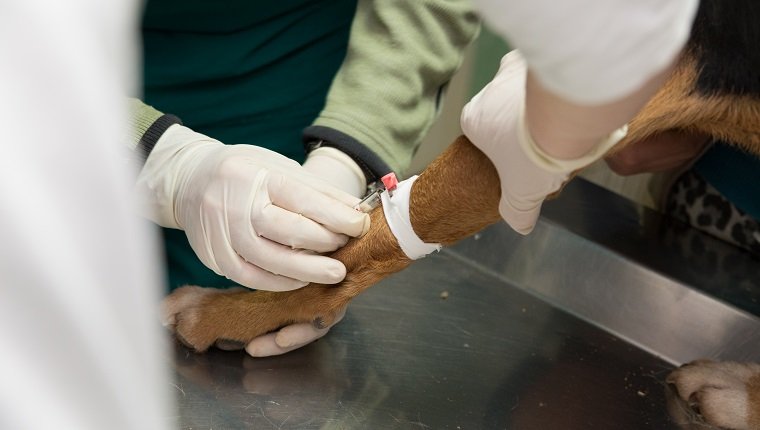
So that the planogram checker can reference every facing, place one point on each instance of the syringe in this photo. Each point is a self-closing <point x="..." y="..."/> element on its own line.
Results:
<point x="372" y="200"/>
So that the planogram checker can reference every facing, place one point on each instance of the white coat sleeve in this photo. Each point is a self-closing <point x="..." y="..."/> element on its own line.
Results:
<point x="81" y="346"/>
<point x="593" y="51"/>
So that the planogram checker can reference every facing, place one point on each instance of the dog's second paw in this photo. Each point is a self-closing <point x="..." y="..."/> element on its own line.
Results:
<point x="185" y="298"/>
<point x="195" y="315"/>
<point x="231" y="319"/>
<point x="721" y="394"/>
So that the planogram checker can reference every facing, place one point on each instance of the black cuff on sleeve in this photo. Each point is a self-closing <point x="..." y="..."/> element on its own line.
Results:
<point x="372" y="165"/>
<point x="152" y="134"/>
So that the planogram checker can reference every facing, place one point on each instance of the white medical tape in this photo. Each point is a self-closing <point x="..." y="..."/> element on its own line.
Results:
<point x="396" y="209"/>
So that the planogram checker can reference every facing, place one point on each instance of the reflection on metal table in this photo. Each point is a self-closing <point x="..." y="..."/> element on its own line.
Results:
<point x="561" y="329"/>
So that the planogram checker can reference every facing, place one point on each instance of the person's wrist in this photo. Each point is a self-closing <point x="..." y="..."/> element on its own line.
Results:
<point x="175" y="155"/>
<point x="338" y="169"/>
<point x="590" y="149"/>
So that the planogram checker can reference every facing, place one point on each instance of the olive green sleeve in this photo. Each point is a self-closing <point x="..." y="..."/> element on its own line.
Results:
<point x="146" y="125"/>
<point x="387" y="93"/>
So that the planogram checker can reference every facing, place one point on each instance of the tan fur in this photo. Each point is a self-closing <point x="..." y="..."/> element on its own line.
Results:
<point x="678" y="107"/>
<point x="724" y="394"/>
<point x="753" y="395"/>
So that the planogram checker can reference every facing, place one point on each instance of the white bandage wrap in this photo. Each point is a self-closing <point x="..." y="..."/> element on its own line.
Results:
<point x="396" y="211"/>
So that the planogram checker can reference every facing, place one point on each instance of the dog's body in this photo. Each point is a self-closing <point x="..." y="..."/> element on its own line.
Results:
<point x="702" y="96"/>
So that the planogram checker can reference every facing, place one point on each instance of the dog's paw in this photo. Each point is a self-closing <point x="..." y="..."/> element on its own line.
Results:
<point x="185" y="298"/>
<point x="192" y="313"/>
<point x="231" y="319"/>
<point x="721" y="394"/>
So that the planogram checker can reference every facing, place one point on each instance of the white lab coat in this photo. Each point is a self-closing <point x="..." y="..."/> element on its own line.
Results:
<point x="593" y="51"/>
<point x="79" y="283"/>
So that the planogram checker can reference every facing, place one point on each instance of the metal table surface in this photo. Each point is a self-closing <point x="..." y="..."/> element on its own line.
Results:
<point x="524" y="340"/>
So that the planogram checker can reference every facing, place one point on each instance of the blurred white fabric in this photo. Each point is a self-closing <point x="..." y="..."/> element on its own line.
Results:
<point x="593" y="51"/>
<point x="79" y="277"/>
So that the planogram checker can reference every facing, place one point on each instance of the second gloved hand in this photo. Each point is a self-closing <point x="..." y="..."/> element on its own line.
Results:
<point x="340" y="170"/>
<point x="494" y="121"/>
<point x="250" y="214"/>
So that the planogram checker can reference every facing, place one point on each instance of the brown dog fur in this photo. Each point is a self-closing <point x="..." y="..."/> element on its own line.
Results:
<point x="677" y="106"/>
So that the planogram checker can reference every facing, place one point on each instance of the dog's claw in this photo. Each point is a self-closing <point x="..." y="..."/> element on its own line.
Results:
<point x="229" y="344"/>
<point x="319" y="323"/>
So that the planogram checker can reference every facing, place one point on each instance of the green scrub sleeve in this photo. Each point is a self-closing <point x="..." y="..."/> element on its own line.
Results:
<point x="146" y="125"/>
<point x="388" y="90"/>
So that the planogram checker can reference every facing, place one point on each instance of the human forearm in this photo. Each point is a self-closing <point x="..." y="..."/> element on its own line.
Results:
<point x="387" y="93"/>
<point x="146" y="125"/>
<point x="567" y="130"/>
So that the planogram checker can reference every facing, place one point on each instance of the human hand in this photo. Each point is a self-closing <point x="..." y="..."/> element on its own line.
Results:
<point x="494" y="121"/>
<point x="339" y="170"/>
<point x="288" y="338"/>
<point x="250" y="214"/>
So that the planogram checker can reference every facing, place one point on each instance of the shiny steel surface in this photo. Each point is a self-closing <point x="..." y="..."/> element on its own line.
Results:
<point x="492" y="355"/>
<point x="658" y="243"/>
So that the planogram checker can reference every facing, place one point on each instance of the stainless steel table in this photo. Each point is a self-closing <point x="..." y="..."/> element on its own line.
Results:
<point x="570" y="328"/>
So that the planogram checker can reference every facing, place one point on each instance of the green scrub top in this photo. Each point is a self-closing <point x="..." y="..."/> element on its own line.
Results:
<point x="241" y="71"/>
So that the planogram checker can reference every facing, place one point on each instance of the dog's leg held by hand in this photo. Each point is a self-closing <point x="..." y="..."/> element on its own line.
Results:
<point x="456" y="196"/>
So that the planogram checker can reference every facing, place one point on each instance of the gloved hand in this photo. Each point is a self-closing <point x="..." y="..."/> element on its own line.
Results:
<point x="288" y="338"/>
<point x="340" y="170"/>
<point x="250" y="214"/>
<point x="494" y="121"/>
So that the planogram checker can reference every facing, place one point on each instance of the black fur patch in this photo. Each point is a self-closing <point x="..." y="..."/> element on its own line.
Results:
<point x="724" y="40"/>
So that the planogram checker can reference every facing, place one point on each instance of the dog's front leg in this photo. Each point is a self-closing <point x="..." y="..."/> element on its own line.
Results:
<point x="456" y="196"/>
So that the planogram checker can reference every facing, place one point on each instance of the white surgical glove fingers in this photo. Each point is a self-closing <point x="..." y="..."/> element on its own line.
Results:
<point x="338" y="169"/>
<point x="219" y="191"/>
<point x="336" y="216"/>
<point x="524" y="187"/>
<point x="281" y="260"/>
<point x="262" y="157"/>
<point x="246" y="232"/>
<point x="265" y="346"/>
<point x="328" y="188"/>
<point x="206" y="216"/>
<point x="216" y="251"/>
<point x="294" y="230"/>
<point x="255" y="277"/>
<point x="520" y="220"/>
<point x="301" y="334"/>
<point x="489" y="119"/>
<point x="288" y="338"/>
<point x="492" y="120"/>
<point x="297" y="335"/>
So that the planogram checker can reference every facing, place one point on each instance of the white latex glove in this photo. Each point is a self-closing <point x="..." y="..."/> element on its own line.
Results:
<point x="494" y="121"/>
<point x="340" y="170"/>
<point x="288" y="338"/>
<point x="337" y="169"/>
<point x="249" y="213"/>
